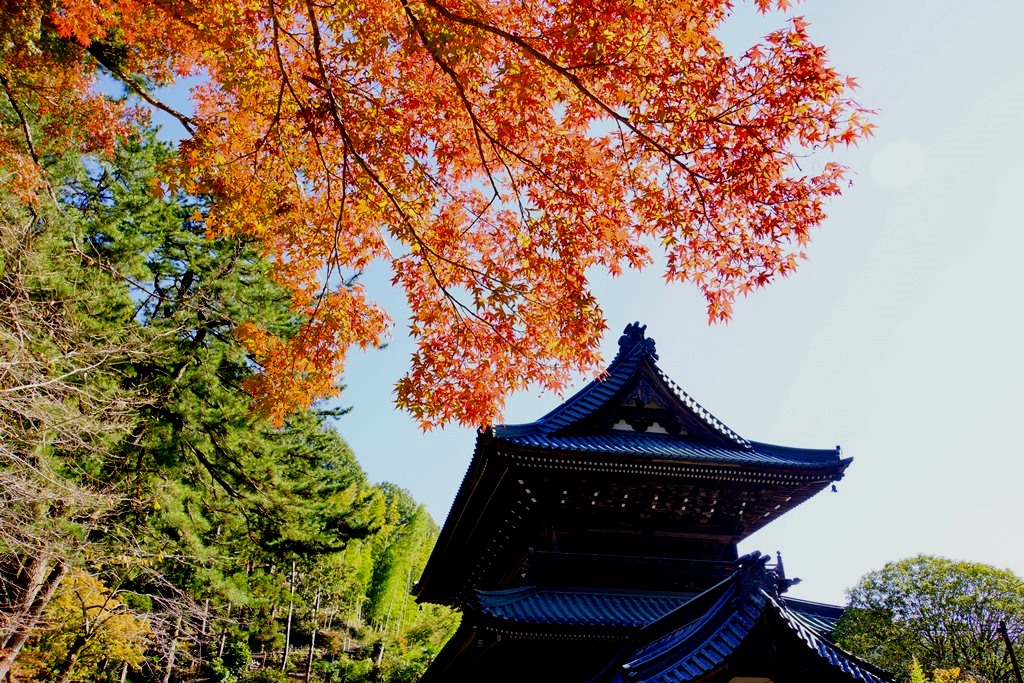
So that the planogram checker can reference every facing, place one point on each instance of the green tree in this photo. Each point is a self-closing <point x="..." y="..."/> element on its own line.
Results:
<point x="63" y="405"/>
<point x="942" y="613"/>
<point x="221" y="496"/>
<point x="132" y="461"/>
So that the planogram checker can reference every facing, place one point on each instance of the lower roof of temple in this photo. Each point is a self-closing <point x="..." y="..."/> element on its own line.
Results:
<point x="615" y="609"/>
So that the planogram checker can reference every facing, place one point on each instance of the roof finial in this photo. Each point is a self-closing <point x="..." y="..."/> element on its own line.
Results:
<point x="753" y="573"/>
<point x="634" y="341"/>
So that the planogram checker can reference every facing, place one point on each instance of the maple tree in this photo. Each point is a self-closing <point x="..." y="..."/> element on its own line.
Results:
<point x="491" y="152"/>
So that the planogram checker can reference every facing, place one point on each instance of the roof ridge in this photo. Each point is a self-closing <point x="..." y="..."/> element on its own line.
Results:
<point x="809" y="633"/>
<point x="700" y="411"/>
<point x="704" y="639"/>
<point x="634" y="347"/>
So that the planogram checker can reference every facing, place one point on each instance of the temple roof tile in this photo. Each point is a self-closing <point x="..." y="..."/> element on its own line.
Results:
<point x="701" y="635"/>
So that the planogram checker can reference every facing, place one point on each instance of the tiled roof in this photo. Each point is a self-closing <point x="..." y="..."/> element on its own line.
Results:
<point x="700" y="645"/>
<point x="580" y="405"/>
<point x="826" y="650"/>
<point x="674" y="448"/>
<point x="820" y="616"/>
<point x="634" y="350"/>
<point x="634" y="421"/>
<point x="614" y="608"/>
<point x="715" y="442"/>
<point x="699" y="636"/>
<point x="582" y="607"/>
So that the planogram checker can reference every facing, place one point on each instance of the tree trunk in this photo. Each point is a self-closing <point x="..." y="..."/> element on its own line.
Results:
<point x="401" y="614"/>
<point x="288" y="628"/>
<point x="28" y="580"/>
<point x="39" y="589"/>
<point x="224" y="633"/>
<point x="312" y="640"/>
<point x="169" y="669"/>
<point x="63" y="671"/>
<point x="202" y="627"/>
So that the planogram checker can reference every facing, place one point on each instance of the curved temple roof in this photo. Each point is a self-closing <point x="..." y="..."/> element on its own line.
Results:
<point x="701" y="636"/>
<point x="635" y="410"/>
<point x="579" y="607"/>
<point x="616" y="510"/>
<point x="632" y="427"/>
<point x="622" y="609"/>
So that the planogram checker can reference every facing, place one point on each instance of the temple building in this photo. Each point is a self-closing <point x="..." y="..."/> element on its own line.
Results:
<point x="599" y="544"/>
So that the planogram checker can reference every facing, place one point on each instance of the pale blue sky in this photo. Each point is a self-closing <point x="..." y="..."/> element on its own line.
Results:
<point x="898" y="340"/>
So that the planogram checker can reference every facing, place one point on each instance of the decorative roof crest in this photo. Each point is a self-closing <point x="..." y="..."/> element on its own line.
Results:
<point x="634" y="341"/>
<point x="753" y="573"/>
